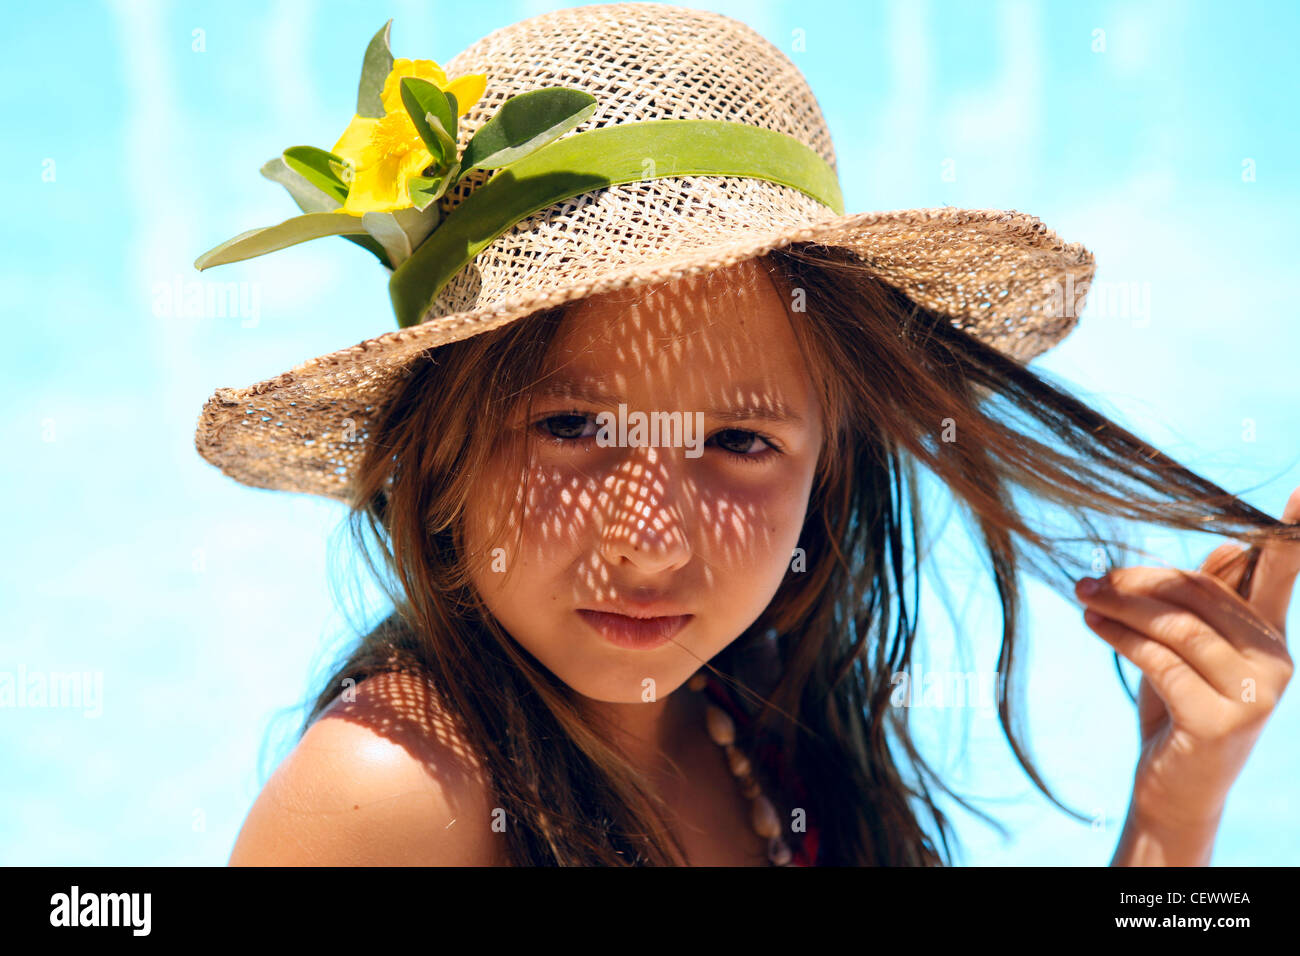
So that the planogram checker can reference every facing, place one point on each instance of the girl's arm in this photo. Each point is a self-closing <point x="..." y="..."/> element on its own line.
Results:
<point x="1214" y="664"/>
<point x="1146" y="842"/>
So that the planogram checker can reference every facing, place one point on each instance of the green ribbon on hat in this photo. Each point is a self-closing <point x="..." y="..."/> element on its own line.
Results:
<point x="594" y="159"/>
<point x="623" y="153"/>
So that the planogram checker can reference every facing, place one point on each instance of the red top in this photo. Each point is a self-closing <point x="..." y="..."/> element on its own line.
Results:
<point x="770" y="758"/>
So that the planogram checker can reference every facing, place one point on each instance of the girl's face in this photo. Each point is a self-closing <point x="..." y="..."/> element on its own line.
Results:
<point x="694" y="522"/>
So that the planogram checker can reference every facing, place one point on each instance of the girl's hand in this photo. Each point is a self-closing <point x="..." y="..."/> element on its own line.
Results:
<point x="1214" y="664"/>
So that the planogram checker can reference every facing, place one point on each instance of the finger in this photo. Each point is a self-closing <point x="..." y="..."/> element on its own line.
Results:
<point x="1274" y="579"/>
<point x="1135" y="600"/>
<point x="1227" y="563"/>
<point x="1182" y="688"/>
<point x="1218" y="607"/>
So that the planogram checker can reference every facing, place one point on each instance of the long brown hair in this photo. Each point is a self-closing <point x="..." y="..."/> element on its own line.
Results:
<point x="900" y="388"/>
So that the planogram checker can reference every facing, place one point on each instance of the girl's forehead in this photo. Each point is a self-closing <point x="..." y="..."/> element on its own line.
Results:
<point x="722" y="354"/>
<point x="709" y="321"/>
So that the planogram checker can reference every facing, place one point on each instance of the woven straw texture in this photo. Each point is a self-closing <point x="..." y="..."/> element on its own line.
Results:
<point x="990" y="271"/>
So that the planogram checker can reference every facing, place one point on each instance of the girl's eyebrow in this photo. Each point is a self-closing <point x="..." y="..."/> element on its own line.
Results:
<point x="771" y="410"/>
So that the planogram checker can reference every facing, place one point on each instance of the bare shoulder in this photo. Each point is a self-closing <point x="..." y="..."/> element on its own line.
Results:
<point x="382" y="780"/>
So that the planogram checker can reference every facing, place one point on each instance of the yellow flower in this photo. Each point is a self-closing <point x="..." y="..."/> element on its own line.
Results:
<point x="387" y="151"/>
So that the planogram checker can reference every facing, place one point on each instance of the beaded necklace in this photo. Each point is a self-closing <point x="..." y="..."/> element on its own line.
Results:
<point x="762" y="816"/>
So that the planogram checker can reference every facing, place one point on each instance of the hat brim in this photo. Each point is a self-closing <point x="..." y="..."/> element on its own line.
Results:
<point x="1000" y="275"/>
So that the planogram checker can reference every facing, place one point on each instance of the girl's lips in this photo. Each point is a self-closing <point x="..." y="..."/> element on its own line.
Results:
<point x="632" y="632"/>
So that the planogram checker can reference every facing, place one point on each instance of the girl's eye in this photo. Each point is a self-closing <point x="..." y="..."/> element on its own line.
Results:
<point x="567" y="426"/>
<point x="739" y="443"/>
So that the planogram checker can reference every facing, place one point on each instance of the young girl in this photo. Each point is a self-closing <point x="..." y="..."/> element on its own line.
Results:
<point x="648" y="543"/>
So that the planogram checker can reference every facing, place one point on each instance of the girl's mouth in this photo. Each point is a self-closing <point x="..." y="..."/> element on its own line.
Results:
<point x="636" y="633"/>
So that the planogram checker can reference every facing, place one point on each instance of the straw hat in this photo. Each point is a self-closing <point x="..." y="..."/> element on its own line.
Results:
<point x="997" y="274"/>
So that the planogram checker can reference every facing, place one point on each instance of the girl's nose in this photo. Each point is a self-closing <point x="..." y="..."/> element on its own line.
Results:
<point x="645" y="521"/>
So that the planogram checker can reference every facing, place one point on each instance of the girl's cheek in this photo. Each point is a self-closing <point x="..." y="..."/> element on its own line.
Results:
<point x="744" y="529"/>
<point x="560" y="498"/>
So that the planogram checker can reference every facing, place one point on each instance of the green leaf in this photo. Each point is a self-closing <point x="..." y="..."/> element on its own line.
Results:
<point x="257" y="242"/>
<point x="308" y="197"/>
<point x="318" y="168"/>
<point x="434" y="117"/>
<point x="423" y="190"/>
<point x="376" y="66"/>
<point x="368" y="243"/>
<point x="401" y="231"/>
<point x="526" y="123"/>
<point x="311" y="199"/>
